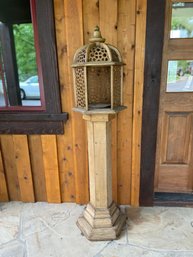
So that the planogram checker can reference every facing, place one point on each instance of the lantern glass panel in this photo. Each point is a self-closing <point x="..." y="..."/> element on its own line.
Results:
<point x="99" y="87"/>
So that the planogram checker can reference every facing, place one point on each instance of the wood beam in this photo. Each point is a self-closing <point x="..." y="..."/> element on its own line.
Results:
<point x="152" y="78"/>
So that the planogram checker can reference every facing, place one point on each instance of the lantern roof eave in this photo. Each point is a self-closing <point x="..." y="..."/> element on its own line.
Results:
<point x="100" y="111"/>
<point x="95" y="64"/>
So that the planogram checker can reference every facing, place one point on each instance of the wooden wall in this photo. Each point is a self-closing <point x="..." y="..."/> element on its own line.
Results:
<point x="54" y="168"/>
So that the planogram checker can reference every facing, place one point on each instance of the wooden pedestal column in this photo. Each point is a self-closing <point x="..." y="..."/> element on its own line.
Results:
<point x="102" y="219"/>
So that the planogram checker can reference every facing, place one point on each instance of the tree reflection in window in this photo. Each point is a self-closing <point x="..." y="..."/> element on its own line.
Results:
<point x="25" y="50"/>
<point x="2" y="81"/>
<point x="180" y="76"/>
<point x="182" y="20"/>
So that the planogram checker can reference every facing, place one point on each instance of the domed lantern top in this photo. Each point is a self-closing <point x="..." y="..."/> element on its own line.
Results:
<point x="98" y="76"/>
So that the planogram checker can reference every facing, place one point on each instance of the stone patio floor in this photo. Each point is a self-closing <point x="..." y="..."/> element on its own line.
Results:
<point x="49" y="230"/>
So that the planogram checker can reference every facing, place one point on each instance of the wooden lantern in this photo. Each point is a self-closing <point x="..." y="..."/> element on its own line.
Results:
<point x="98" y="73"/>
<point x="98" y="76"/>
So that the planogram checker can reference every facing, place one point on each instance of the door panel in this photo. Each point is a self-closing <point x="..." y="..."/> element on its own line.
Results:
<point x="176" y="138"/>
<point x="175" y="167"/>
<point x="174" y="154"/>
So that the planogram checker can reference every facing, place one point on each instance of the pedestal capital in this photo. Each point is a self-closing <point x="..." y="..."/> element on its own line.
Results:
<point x="100" y="117"/>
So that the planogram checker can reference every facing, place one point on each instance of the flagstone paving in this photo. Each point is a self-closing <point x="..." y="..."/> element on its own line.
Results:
<point x="49" y="230"/>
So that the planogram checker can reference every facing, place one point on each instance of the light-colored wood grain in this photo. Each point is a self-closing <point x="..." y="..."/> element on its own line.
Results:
<point x="99" y="224"/>
<point x="8" y="155"/>
<point x="23" y="165"/>
<point x="141" y="9"/>
<point x="66" y="168"/>
<point x="108" y="12"/>
<point x="126" y="45"/>
<point x="74" y="35"/>
<point x="51" y="168"/>
<point x="3" y="186"/>
<point x="100" y="166"/>
<point x="91" y="17"/>
<point x="64" y="142"/>
<point x="92" y="184"/>
<point x="108" y="18"/>
<point x="37" y="167"/>
<point x="101" y="220"/>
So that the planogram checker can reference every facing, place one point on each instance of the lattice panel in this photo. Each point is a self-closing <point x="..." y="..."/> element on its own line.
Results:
<point x="80" y="87"/>
<point x="117" y="85"/>
<point x="97" y="54"/>
<point x="81" y="57"/>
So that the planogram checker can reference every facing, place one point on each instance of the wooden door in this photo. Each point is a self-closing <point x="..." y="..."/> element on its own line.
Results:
<point x="174" y="152"/>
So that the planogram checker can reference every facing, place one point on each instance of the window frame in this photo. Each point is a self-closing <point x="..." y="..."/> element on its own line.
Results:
<point x="50" y="120"/>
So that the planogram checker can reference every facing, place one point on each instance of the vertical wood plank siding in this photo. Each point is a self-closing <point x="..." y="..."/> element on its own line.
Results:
<point x="74" y="35"/>
<point x="126" y="44"/>
<point x="3" y="187"/>
<point x="54" y="168"/>
<point x="141" y="10"/>
<point x="23" y="166"/>
<point x="108" y="25"/>
<point x="65" y="143"/>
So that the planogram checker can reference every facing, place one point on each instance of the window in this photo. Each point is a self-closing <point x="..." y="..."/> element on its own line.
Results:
<point x="182" y="20"/>
<point x="180" y="76"/>
<point x="29" y="88"/>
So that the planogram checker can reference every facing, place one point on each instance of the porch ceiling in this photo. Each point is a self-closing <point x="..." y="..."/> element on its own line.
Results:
<point x="12" y="11"/>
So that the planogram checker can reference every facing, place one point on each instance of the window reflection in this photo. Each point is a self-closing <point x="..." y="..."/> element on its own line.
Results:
<point x="26" y="63"/>
<point x="2" y="82"/>
<point x="182" y="20"/>
<point x="2" y="98"/>
<point x="180" y="76"/>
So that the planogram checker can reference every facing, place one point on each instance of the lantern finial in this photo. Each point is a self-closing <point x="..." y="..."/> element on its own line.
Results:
<point x="97" y="36"/>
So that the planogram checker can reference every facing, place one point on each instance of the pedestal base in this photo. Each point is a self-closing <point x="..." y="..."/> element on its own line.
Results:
<point x="101" y="224"/>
